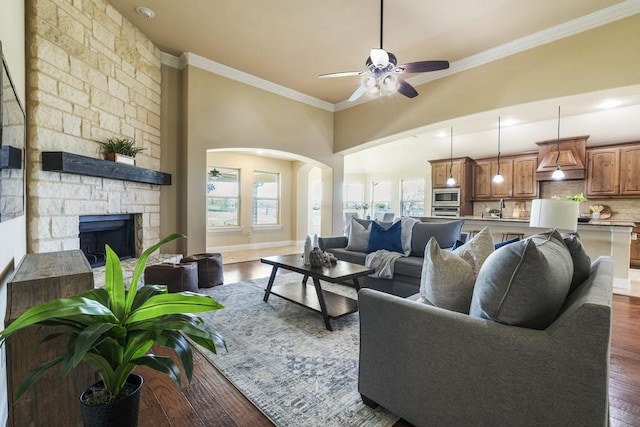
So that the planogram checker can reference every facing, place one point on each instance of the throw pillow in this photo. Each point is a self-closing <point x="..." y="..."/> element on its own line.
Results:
<point x="581" y="261"/>
<point x="476" y="250"/>
<point x="447" y="280"/>
<point x="358" y="239"/>
<point x="446" y="234"/>
<point x="524" y="283"/>
<point x="406" y="223"/>
<point x="388" y="239"/>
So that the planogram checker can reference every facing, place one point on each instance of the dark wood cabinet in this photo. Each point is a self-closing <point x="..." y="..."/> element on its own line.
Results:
<point x="635" y="247"/>
<point x="461" y="172"/>
<point x="525" y="185"/>
<point x="519" y="173"/>
<point x="630" y="170"/>
<point x="603" y="171"/>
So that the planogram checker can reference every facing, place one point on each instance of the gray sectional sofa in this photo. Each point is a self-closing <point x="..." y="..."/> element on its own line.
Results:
<point x="510" y="362"/>
<point x="406" y="279"/>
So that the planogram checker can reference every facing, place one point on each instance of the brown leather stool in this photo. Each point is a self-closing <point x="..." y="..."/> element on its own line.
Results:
<point x="177" y="277"/>
<point x="509" y="236"/>
<point x="210" y="271"/>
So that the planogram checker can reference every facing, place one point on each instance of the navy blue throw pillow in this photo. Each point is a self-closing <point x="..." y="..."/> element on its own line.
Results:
<point x="501" y="244"/>
<point x="457" y="244"/>
<point x="389" y="239"/>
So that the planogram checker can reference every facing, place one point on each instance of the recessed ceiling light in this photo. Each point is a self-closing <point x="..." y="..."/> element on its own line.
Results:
<point x="145" y="11"/>
<point x="442" y="134"/>
<point x="609" y="103"/>
<point x="510" y="122"/>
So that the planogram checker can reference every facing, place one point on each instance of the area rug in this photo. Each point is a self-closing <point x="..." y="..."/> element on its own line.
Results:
<point x="281" y="357"/>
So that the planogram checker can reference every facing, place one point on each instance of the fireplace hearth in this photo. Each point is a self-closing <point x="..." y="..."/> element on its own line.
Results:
<point x="117" y="231"/>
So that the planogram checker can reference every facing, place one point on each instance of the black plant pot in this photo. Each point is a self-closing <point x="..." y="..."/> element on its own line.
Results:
<point x="122" y="412"/>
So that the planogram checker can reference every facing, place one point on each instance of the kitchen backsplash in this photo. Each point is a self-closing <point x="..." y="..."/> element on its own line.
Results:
<point x="621" y="209"/>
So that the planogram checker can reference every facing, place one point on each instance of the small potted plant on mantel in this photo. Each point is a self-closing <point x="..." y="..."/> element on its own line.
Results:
<point x="113" y="329"/>
<point x="121" y="150"/>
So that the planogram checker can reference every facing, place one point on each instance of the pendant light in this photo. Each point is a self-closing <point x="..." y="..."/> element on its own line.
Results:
<point x="498" y="178"/>
<point x="451" y="181"/>
<point x="558" y="174"/>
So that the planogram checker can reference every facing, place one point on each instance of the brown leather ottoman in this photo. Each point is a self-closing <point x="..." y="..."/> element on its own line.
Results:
<point x="177" y="277"/>
<point x="210" y="271"/>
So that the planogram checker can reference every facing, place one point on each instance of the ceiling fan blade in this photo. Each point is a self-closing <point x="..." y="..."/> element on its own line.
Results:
<point x="341" y="74"/>
<point x="361" y="90"/>
<point x="406" y="89"/>
<point x="422" y="66"/>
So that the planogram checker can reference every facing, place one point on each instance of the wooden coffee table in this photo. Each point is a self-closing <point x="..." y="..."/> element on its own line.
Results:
<point x="330" y="304"/>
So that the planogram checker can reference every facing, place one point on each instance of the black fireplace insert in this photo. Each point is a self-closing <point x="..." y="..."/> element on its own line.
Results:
<point x="117" y="231"/>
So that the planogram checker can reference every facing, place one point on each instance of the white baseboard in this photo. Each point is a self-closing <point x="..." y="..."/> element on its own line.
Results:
<point x="250" y="246"/>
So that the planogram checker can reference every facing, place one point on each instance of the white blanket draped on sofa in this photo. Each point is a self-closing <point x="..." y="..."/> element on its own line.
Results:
<point x="383" y="261"/>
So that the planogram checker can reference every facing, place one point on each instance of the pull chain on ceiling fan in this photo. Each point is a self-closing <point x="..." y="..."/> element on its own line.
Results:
<point x="380" y="77"/>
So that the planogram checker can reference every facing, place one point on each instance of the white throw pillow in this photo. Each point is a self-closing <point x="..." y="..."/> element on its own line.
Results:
<point x="448" y="277"/>
<point x="358" y="239"/>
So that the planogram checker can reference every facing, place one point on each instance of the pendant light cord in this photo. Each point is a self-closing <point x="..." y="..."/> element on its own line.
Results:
<point x="498" y="145"/>
<point x="381" y="16"/>
<point x="558" y="142"/>
<point x="451" y="156"/>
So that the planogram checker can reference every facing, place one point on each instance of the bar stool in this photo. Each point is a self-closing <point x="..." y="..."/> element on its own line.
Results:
<point x="509" y="236"/>
<point x="473" y="233"/>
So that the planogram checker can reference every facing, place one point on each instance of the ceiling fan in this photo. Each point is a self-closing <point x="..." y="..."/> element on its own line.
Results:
<point x="380" y="77"/>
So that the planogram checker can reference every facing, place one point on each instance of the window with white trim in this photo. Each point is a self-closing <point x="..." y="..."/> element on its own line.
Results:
<point x="266" y="198"/>
<point x="223" y="197"/>
<point x="412" y="197"/>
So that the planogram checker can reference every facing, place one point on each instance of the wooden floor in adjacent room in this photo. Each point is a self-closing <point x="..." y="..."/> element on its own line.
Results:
<point x="212" y="401"/>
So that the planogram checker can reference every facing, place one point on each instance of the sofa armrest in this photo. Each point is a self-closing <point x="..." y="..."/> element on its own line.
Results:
<point x="432" y="366"/>
<point x="332" y="242"/>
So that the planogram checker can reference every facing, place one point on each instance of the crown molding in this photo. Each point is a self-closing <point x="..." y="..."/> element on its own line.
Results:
<point x="602" y="17"/>
<point x="188" y="58"/>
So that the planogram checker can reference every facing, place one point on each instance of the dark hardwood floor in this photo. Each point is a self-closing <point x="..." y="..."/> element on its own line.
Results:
<point x="211" y="400"/>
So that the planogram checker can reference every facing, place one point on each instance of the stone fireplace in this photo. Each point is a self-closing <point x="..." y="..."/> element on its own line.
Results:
<point x="92" y="75"/>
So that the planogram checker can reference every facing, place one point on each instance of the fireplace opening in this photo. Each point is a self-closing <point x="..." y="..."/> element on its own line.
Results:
<point x="117" y="231"/>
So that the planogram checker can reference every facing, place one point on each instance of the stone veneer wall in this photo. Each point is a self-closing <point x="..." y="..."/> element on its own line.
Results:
<point x="91" y="75"/>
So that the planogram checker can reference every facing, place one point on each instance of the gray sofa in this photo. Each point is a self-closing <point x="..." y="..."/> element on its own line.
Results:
<point x="435" y="367"/>
<point x="407" y="270"/>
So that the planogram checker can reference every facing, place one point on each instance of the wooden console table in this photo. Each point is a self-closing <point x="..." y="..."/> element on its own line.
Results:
<point x="52" y="401"/>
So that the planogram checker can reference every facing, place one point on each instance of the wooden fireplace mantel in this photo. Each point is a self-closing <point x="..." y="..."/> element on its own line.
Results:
<point x="60" y="161"/>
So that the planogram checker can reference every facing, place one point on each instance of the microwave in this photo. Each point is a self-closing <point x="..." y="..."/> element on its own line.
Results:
<point x="446" y="197"/>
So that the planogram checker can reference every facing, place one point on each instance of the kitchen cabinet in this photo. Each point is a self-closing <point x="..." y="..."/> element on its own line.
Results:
<point x="440" y="173"/>
<point x="603" y="171"/>
<point x="461" y="172"/>
<point x="525" y="185"/>
<point x="614" y="171"/>
<point x="635" y="247"/>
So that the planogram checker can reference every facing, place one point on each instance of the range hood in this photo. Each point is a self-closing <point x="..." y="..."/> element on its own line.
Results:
<point x="572" y="160"/>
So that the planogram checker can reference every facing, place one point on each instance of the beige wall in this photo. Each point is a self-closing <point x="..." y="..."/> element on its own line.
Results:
<point x="13" y="233"/>
<point x="602" y="58"/>
<point x="222" y="113"/>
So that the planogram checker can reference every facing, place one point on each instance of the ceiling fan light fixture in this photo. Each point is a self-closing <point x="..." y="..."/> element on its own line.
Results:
<point x="389" y="84"/>
<point x="379" y="57"/>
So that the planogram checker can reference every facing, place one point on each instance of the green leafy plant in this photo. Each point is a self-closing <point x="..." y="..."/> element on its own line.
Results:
<point x="577" y="197"/>
<point x="494" y="211"/>
<point x="114" y="328"/>
<point x="124" y="146"/>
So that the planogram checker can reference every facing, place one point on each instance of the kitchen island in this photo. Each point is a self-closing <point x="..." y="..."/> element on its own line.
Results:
<point x="612" y="238"/>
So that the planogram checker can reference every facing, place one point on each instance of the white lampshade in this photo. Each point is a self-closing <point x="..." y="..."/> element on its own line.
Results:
<point x="553" y="213"/>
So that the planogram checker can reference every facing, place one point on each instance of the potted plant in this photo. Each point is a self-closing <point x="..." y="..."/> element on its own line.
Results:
<point x="122" y="150"/>
<point x="113" y="329"/>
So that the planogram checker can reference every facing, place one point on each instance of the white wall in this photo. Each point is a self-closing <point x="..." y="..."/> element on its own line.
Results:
<point x="13" y="233"/>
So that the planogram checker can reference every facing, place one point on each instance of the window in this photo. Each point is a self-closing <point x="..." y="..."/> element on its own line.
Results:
<point x="412" y="197"/>
<point x="381" y="195"/>
<point x="353" y="196"/>
<point x="223" y="197"/>
<point x="266" y="198"/>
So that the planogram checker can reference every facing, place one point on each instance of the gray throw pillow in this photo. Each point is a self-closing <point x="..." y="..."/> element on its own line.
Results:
<point x="358" y="238"/>
<point x="524" y="283"/>
<point x="445" y="233"/>
<point x="476" y="250"/>
<point x="447" y="280"/>
<point x="581" y="261"/>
